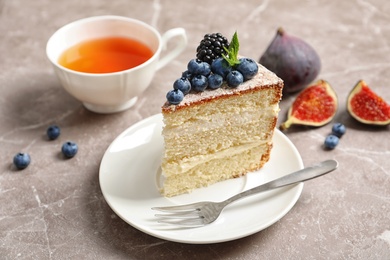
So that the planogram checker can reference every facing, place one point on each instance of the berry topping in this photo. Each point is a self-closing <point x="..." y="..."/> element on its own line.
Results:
<point x="199" y="83"/>
<point x="182" y="84"/>
<point x="53" y="132"/>
<point x="248" y="68"/>
<point x="338" y="129"/>
<point x="216" y="65"/>
<point x="234" y="79"/>
<point x="211" y="47"/>
<point x="175" y="96"/>
<point x="331" y="141"/>
<point x="214" y="81"/>
<point x="22" y="160"/>
<point x="69" y="149"/>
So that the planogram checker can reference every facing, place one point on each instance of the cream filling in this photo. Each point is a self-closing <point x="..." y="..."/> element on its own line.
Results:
<point x="186" y="164"/>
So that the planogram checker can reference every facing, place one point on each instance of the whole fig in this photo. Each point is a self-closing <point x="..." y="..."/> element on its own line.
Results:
<point x="293" y="60"/>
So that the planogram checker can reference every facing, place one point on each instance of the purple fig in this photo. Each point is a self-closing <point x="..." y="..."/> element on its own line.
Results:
<point x="293" y="60"/>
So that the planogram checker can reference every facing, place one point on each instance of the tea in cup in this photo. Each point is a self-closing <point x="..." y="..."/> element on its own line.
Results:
<point x="107" y="61"/>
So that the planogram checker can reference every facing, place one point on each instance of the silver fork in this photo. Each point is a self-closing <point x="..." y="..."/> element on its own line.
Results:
<point x="203" y="213"/>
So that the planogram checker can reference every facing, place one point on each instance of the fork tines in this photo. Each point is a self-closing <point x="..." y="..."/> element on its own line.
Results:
<point x="187" y="207"/>
<point x="179" y="215"/>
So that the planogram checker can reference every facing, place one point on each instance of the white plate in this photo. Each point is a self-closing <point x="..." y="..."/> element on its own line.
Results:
<point x="130" y="178"/>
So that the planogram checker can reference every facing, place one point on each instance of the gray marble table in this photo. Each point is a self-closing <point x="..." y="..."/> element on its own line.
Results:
<point x="55" y="209"/>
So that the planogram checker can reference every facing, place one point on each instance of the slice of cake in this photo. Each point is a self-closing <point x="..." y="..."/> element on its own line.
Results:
<point x="218" y="134"/>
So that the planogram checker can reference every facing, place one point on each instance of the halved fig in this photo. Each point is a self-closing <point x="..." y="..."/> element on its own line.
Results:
<point x="366" y="106"/>
<point x="316" y="105"/>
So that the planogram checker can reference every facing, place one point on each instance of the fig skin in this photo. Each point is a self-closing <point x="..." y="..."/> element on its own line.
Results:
<point x="291" y="59"/>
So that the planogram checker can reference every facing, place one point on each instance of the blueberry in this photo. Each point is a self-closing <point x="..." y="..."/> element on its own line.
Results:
<point x="175" y="96"/>
<point x="199" y="83"/>
<point x="194" y="66"/>
<point x="331" y="141"/>
<point x="338" y="129"/>
<point x="186" y="74"/>
<point x="69" y="149"/>
<point x="182" y="84"/>
<point x="53" y="132"/>
<point x="215" y="81"/>
<point x="198" y="67"/>
<point x="234" y="79"/>
<point x="248" y="68"/>
<point x="205" y="70"/>
<point x="221" y="67"/>
<point x="22" y="160"/>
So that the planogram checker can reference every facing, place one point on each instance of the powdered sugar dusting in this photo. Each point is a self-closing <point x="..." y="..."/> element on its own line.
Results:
<point x="264" y="78"/>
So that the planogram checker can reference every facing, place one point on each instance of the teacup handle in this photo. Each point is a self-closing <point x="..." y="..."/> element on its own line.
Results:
<point x="180" y="33"/>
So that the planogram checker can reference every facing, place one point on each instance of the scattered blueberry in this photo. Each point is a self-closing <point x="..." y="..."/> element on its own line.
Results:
<point x="215" y="81"/>
<point x="331" y="141"/>
<point x="53" y="132"/>
<point x="175" y="96"/>
<point x="69" y="149"/>
<point x="221" y="67"/>
<point x="234" y="79"/>
<point x="199" y="83"/>
<point x="22" y="160"/>
<point x="338" y="129"/>
<point x="182" y="84"/>
<point x="198" y="67"/>
<point x="248" y="68"/>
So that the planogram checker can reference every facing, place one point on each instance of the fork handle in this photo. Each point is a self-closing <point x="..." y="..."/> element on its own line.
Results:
<point x="305" y="174"/>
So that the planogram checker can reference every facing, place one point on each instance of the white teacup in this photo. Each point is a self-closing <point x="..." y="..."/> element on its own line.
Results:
<point x="115" y="91"/>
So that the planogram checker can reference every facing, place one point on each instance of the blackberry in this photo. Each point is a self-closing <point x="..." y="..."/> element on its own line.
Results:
<point x="211" y="47"/>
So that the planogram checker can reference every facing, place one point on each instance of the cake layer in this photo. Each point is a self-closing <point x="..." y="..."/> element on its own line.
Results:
<point x="187" y="164"/>
<point x="218" y="112"/>
<point x="219" y="169"/>
<point x="209" y="141"/>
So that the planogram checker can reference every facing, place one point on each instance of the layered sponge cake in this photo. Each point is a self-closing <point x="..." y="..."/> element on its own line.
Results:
<point x="220" y="134"/>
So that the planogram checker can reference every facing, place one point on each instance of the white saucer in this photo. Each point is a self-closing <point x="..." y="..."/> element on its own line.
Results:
<point x="130" y="178"/>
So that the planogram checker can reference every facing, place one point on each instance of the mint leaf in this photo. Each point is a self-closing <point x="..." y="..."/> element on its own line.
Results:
<point x="232" y="51"/>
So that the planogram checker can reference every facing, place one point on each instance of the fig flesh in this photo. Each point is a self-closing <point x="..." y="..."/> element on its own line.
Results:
<point x="366" y="106"/>
<point x="291" y="59"/>
<point x="316" y="105"/>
